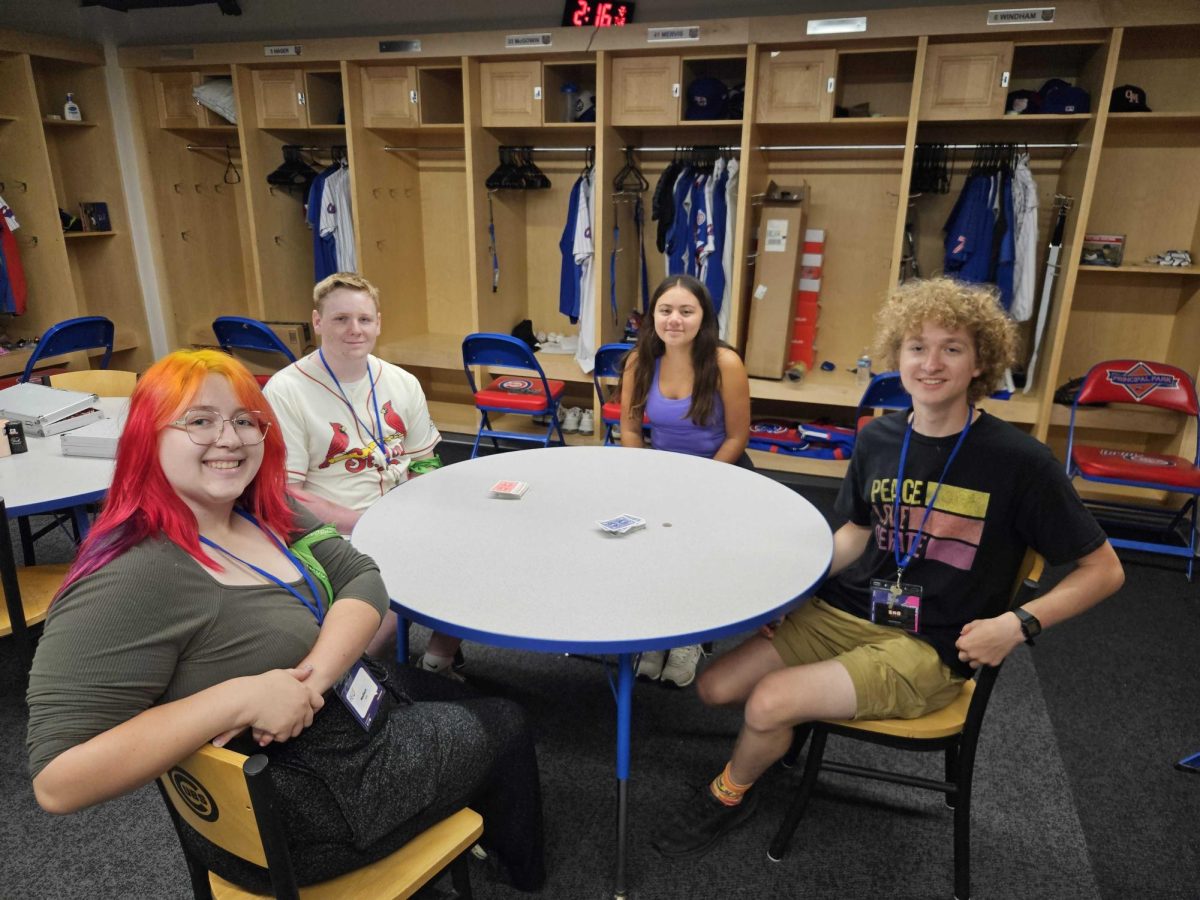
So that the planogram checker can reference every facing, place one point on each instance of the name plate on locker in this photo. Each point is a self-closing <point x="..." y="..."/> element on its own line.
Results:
<point x="679" y="33"/>
<point x="837" y="26"/>
<point x="1036" y="15"/>
<point x="399" y="46"/>
<point x="521" y="41"/>
<point x="283" y="50"/>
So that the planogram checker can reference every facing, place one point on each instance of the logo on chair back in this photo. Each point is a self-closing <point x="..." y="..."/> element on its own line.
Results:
<point x="1141" y="381"/>
<point x="199" y="800"/>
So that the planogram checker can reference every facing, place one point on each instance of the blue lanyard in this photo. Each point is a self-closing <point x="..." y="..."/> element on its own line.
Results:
<point x="902" y="562"/>
<point x="317" y="610"/>
<point x="379" y="441"/>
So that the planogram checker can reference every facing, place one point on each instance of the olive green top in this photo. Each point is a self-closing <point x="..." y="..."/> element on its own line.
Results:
<point x="154" y="626"/>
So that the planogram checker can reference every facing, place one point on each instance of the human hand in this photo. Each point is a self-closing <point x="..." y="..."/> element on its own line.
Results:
<point x="276" y="705"/>
<point x="767" y="630"/>
<point x="986" y="642"/>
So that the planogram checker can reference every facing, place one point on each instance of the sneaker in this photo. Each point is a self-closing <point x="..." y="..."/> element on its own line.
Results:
<point x="460" y="661"/>
<point x="701" y="822"/>
<point x="570" y="422"/>
<point x="680" y="669"/>
<point x="650" y="665"/>
<point x="446" y="671"/>
<point x="586" y="422"/>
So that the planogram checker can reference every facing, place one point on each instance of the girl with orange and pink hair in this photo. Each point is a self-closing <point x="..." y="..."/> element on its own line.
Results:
<point x="206" y="606"/>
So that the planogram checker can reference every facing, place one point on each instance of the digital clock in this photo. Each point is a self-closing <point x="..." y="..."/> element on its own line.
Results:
<point x="594" y="14"/>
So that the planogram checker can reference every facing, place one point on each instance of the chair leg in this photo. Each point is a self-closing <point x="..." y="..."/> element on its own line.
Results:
<point x="962" y="823"/>
<point x="787" y="827"/>
<point x="951" y="772"/>
<point x="27" y="553"/>
<point x="799" y="735"/>
<point x="402" y="649"/>
<point x="460" y="877"/>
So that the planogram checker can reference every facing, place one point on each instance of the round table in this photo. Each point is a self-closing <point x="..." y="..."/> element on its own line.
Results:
<point x="43" y="480"/>
<point x="724" y="550"/>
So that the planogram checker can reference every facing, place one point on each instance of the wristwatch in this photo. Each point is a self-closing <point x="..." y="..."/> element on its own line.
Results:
<point x="1030" y="626"/>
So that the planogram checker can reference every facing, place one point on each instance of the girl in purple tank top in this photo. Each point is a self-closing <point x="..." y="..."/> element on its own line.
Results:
<point x="693" y="392"/>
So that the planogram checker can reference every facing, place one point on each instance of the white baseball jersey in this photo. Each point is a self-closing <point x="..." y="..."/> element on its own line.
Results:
<point x="333" y="447"/>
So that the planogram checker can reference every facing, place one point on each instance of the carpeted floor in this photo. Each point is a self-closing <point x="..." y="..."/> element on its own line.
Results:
<point x="1075" y="796"/>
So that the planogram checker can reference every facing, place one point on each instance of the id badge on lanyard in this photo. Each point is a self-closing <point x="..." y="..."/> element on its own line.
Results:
<point x="361" y="693"/>
<point x="896" y="604"/>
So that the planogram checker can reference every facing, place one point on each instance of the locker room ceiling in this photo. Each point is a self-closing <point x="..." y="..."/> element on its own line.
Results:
<point x="228" y="7"/>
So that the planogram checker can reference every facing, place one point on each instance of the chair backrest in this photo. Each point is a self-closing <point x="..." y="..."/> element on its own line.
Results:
<point x="885" y="391"/>
<point x="610" y="360"/>
<point x="210" y="791"/>
<point x="72" y="336"/>
<point x="242" y="333"/>
<point x="494" y="349"/>
<point x="1142" y="382"/>
<point x="1139" y="382"/>
<point x="105" y="382"/>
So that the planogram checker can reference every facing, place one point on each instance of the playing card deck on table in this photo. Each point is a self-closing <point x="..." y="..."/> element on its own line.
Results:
<point x="510" y="490"/>
<point x="622" y="524"/>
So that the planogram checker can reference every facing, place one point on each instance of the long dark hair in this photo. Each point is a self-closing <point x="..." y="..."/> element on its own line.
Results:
<point x="706" y="376"/>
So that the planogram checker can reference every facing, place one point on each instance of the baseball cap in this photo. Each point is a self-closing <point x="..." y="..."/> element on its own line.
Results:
<point x="1026" y="102"/>
<point x="706" y="99"/>
<point x="585" y="106"/>
<point x="1060" y="97"/>
<point x="1128" y="98"/>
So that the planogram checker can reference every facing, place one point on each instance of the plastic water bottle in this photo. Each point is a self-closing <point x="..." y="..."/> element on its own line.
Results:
<point x="862" y="369"/>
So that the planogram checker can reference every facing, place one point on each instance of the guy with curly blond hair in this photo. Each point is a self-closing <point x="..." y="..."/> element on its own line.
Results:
<point x="940" y="504"/>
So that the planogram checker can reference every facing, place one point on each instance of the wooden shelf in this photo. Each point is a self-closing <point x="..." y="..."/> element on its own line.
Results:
<point x="13" y="362"/>
<point x="1179" y="118"/>
<point x="1140" y="421"/>
<point x="800" y="465"/>
<point x="204" y="129"/>
<point x="81" y="235"/>
<point x="1140" y="269"/>
<point x="436" y="351"/>
<point x="1016" y="120"/>
<point x="63" y="123"/>
<point x="4" y="119"/>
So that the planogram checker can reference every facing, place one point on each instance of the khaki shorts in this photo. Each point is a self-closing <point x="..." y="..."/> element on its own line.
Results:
<point x="895" y="675"/>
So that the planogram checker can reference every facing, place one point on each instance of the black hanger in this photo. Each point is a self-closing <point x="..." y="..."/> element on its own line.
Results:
<point x="630" y="179"/>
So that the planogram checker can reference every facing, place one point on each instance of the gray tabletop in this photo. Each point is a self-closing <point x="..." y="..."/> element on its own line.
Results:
<point x="724" y="549"/>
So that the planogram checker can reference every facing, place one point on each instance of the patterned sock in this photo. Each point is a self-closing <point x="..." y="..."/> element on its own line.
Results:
<point x="431" y="662"/>
<point x="726" y="790"/>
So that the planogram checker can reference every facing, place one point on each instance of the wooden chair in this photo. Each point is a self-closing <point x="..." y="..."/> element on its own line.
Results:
<point x="953" y="729"/>
<point x="105" y="382"/>
<point x="28" y="591"/>
<point x="228" y="798"/>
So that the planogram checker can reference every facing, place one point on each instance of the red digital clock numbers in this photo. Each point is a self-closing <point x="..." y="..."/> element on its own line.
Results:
<point x="586" y="14"/>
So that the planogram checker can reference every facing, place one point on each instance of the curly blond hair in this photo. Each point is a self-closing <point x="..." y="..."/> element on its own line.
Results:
<point x="950" y="304"/>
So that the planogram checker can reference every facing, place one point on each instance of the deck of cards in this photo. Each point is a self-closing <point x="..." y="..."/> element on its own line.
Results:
<point x="510" y="490"/>
<point x="622" y="524"/>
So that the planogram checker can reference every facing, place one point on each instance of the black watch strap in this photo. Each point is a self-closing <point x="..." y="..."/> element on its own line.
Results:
<point x="1030" y="626"/>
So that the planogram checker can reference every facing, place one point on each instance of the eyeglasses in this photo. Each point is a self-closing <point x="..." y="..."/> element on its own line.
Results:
<point x="205" y="427"/>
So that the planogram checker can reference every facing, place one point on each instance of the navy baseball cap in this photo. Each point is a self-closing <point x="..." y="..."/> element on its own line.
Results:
<point x="1026" y="102"/>
<point x="706" y="99"/>
<point x="1128" y="98"/>
<point x="1060" y="97"/>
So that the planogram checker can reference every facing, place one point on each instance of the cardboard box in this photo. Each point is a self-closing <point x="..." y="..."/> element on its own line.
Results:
<point x="297" y="336"/>
<point x="773" y="297"/>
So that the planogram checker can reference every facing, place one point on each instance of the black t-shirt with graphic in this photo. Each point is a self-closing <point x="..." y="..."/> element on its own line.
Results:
<point x="1004" y="492"/>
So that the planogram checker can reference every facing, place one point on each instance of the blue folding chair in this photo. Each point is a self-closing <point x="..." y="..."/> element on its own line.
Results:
<point x="610" y="359"/>
<point x="511" y="394"/>
<point x="72" y="336"/>
<point x="1142" y="383"/>
<point x="242" y="333"/>
<point x="884" y="392"/>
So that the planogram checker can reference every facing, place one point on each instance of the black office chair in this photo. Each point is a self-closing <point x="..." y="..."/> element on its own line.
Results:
<point x="954" y="730"/>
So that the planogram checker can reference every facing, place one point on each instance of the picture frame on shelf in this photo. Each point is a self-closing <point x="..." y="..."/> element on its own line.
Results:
<point x="94" y="216"/>
<point x="1102" y="250"/>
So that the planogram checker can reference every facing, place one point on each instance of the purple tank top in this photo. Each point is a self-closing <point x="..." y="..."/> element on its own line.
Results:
<point x="671" y="429"/>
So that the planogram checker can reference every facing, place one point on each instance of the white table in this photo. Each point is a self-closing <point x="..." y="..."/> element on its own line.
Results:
<point x="724" y="550"/>
<point x="42" y="480"/>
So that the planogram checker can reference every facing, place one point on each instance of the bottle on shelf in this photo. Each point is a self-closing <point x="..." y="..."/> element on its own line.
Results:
<point x="862" y="368"/>
<point x="71" y="109"/>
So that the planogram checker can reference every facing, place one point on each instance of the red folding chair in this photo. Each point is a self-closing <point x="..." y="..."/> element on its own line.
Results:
<point x="1141" y="383"/>
<point x="511" y="394"/>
